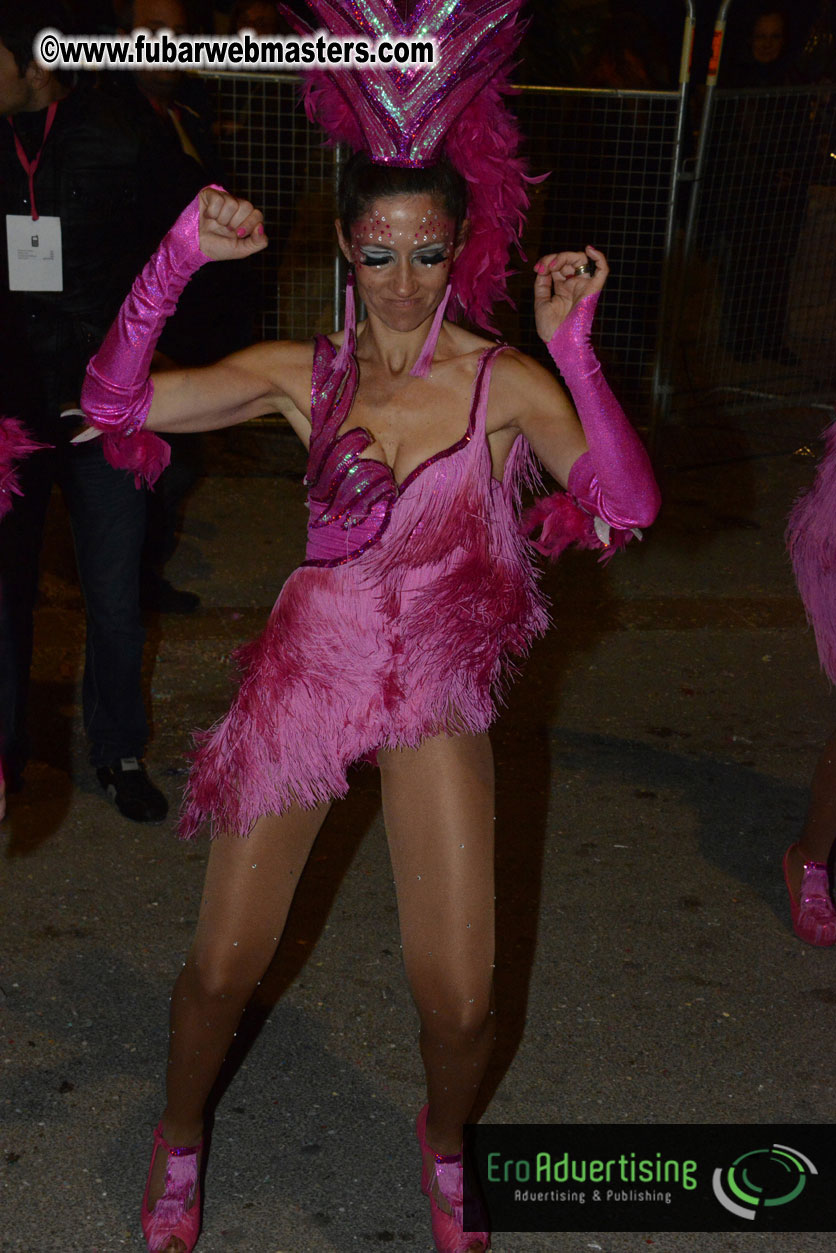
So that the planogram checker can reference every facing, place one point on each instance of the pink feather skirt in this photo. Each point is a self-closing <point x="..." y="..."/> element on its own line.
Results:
<point x="382" y="652"/>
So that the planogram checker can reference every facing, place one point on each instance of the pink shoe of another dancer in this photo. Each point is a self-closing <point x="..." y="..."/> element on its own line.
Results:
<point x="442" y="1178"/>
<point x="813" y="915"/>
<point x="174" y="1222"/>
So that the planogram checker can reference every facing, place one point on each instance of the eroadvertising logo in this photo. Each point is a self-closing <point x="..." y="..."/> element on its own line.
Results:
<point x="773" y="1176"/>
<point x="657" y="1177"/>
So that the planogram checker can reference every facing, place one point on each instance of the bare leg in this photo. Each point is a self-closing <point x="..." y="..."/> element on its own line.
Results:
<point x="438" y="804"/>
<point x="820" y="827"/>
<point x="249" y="886"/>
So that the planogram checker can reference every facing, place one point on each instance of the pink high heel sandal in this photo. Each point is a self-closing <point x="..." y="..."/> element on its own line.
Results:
<point x="176" y="1215"/>
<point x="444" y="1176"/>
<point x="813" y="915"/>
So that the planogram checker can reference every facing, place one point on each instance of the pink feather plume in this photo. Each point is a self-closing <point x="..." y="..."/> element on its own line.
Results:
<point x="385" y="113"/>
<point x="15" y="444"/>
<point x="143" y="453"/>
<point x="562" y="523"/>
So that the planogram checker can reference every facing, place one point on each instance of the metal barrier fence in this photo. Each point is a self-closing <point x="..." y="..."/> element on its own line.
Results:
<point x="747" y="317"/>
<point x="758" y="295"/>
<point x="614" y="157"/>
<point x="753" y="320"/>
<point x="274" y="157"/>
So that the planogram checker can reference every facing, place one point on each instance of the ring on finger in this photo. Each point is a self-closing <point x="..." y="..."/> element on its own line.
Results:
<point x="582" y="269"/>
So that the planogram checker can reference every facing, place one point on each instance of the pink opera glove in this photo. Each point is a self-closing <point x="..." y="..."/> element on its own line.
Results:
<point x="613" y="480"/>
<point x="117" y="391"/>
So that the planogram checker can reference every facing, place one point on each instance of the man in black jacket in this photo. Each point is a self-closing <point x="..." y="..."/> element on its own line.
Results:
<point x="177" y="112"/>
<point x="89" y="171"/>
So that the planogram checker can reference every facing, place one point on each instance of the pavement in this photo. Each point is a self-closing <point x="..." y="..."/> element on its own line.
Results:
<point x="653" y="765"/>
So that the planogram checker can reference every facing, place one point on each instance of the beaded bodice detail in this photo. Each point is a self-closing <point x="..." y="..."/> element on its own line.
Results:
<point x="350" y="496"/>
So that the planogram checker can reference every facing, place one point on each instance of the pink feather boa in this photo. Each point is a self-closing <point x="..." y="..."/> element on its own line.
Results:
<point x="562" y="523"/>
<point x="15" y="444"/>
<point x="144" y="454"/>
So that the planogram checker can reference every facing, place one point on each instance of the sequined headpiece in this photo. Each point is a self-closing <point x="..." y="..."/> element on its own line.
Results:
<point x="453" y="108"/>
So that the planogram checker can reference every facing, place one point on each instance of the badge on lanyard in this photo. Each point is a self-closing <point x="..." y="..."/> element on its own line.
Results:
<point x="34" y="243"/>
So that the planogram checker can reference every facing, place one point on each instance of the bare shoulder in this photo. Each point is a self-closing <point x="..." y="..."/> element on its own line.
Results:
<point x="462" y="343"/>
<point x="464" y="350"/>
<point x="283" y="370"/>
<point x="285" y="358"/>
<point x="514" y="367"/>
<point x="522" y="389"/>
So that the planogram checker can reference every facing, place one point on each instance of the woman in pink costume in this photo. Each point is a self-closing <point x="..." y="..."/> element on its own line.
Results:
<point x="391" y="641"/>
<point x="810" y="537"/>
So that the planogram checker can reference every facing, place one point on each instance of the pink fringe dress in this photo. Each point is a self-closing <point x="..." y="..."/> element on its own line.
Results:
<point x="411" y="607"/>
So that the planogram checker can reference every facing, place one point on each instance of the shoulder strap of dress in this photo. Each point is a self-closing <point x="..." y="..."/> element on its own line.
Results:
<point x="332" y="395"/>
<point x="323" y="359"/>
<point x="521" y="467"/>
<point x="482" y="388"/>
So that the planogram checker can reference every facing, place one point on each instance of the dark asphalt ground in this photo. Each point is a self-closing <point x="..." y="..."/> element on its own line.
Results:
<point x="653" y="765"/>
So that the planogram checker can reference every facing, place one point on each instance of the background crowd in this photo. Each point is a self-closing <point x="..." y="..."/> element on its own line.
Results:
<point x="631" y="44"/>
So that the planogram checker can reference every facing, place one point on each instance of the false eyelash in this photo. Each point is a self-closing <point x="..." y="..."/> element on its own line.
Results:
<point x="432" y="258"/>
<point x="375" y="260"/>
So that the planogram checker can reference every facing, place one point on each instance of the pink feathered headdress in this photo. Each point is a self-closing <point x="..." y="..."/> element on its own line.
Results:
<point x="453" y="108"/>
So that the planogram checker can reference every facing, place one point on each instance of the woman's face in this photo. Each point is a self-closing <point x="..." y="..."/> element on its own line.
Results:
<point x="768" y="38"/>
<point x="402" y="249"/>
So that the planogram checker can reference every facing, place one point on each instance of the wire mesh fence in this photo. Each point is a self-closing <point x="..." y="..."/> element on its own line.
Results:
<point x="759" y="291"/>
<point x="748" y="317"/>
<point x="611" y="155"/>
<point x="274" y="157"/>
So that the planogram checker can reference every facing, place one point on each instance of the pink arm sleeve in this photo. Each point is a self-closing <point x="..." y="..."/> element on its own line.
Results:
<point x="117" y="391"/>
<point x="614" y="479"/>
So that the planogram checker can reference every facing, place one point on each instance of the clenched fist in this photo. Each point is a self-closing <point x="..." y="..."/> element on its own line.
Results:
<point x="230" y="228"/>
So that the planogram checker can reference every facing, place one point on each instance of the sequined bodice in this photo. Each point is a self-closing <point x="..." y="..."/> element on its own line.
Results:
<point x="350" y="496"/>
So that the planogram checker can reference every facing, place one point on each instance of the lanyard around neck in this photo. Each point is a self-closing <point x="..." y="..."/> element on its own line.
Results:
<point x="30" y="167"/>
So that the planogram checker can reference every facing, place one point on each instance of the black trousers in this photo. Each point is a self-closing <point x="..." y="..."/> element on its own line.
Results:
<point x="107" y="515"/>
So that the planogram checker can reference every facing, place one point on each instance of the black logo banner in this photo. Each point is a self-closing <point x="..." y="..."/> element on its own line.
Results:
<point x="620" y="1177"/>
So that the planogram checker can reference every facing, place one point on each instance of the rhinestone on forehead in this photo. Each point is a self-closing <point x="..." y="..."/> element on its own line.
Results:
<point x="376" y="228"/>
<point x="434" y="227"/>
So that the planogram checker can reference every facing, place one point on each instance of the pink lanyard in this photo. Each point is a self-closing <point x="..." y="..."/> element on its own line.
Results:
<point x="30" y="167"/>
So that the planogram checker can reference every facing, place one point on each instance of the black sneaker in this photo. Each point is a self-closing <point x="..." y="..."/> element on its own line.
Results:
<point x="161" y="597"/>
<point x="132" y="792"/>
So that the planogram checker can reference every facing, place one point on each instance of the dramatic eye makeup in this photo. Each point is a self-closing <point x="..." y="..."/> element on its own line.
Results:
<point x="436" y="255"/>
<point x="368" y="256"/>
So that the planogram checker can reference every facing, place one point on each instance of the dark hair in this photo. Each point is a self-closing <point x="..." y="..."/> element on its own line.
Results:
<point x="362" y="182"/>
<point x="123" y="11"/>
<point x="766" y="9"/>
<point x="20" y="23"/>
